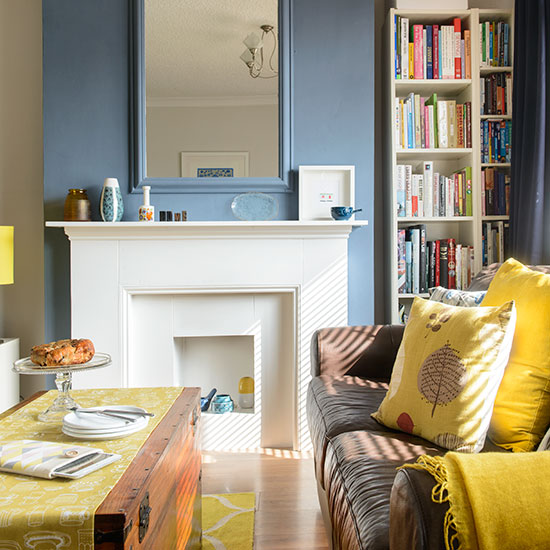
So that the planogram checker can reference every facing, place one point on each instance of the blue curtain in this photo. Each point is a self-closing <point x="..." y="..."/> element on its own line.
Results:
<point x="530" y="189"/>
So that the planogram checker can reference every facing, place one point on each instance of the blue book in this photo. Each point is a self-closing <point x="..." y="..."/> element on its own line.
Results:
<point x="491" y="30"/>
<point x="401" y="262"/>
<point x="408" y="264"/>
<point x="502" y="139"/>
<point x="410" y="123"/>
<point x="429" y="52"/>
<point x="508" y="141"/>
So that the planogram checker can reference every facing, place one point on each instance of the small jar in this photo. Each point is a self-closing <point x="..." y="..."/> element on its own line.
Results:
<point x="77" y="206"/>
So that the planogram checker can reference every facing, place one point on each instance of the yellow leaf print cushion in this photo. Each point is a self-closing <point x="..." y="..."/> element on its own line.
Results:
<point x="447" y="373"/>
<point x="522" y="406"/>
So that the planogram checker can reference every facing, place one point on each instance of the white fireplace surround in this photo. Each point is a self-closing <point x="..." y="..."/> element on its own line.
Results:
<point x="140" y="291"/>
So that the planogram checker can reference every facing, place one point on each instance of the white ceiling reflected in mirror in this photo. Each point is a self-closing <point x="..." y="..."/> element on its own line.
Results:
<point x="211" y="88"/>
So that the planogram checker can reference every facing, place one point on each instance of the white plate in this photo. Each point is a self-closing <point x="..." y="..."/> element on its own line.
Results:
<point x="89" y="421"/>
<point x="91" y="436"/>
<point x="141" y="423"/>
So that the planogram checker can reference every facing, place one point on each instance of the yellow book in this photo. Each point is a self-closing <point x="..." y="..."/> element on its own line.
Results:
<point x="411" y="60"/>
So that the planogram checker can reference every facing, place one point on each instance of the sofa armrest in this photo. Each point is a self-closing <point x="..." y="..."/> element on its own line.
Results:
<point x="365" y="351"/>
<point x="416" y="522"/>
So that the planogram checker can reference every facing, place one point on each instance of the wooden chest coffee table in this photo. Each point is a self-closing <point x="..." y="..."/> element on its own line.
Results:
<point x="156" y="504"/>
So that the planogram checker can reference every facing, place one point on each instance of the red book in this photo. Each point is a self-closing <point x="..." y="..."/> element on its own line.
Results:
<point x="418" y="52"/>
<point x="435" y="46"/>
<point x="437" y="264"/>
<point x="451" y="255"/>
<point x="458" y="58"/>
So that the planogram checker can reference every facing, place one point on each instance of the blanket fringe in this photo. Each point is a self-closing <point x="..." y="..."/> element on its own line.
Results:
<point x="435" y="466"/>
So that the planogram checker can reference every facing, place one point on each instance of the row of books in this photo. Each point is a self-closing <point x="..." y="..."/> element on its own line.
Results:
<point x="423" y="264"/>
<point x="429" y="123"/>
<point x="431" y="51"/>
<point x="494" y="44"/>
<point x="495" y="192"/>
<point x="495" y="242"/>
<point x="432" y="194"/>
<point x="496" y="94"/>
<point x="496" y="141"/>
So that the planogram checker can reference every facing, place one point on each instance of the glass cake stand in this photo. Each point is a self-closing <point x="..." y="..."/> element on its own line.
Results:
<point x="63" y="403"/>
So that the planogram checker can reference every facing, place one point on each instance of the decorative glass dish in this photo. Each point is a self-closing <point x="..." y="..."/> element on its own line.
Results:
<point x="255" y="207"/>
<point x="63" y="403"/>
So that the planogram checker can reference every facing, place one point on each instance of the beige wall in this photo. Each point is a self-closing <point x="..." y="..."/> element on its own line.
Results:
<point x="21" y="172"/>
<point x="171" y="130"/>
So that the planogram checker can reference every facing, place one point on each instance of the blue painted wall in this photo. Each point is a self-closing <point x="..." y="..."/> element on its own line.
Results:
<point x="86" y="124"/>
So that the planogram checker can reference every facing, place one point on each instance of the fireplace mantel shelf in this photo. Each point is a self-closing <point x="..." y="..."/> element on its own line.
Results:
<point x="219" y="229"/>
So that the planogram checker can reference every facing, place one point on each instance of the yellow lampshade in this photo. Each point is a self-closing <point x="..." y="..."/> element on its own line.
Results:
<point x="6" y="255"/>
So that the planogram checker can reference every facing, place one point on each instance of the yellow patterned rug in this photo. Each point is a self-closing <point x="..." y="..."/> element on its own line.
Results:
<point x="228" y="521"/>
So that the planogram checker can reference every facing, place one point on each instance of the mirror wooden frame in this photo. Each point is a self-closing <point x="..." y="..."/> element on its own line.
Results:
<point x="138" y="155"/>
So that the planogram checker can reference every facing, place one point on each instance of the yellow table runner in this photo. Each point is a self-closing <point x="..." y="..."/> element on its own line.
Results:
<point x="59" y="513"/>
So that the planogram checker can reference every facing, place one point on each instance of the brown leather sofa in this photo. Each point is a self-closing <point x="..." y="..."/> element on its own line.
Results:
<point x="355" y="457"/>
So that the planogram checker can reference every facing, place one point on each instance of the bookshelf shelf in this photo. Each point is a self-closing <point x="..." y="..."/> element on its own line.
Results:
<point x="432" y="154"/>
<point x="435" y="219"/>
<point x="496" y="117"/>
<point x="412" y="296"/>
<point x="494" y="218"/>
<point x="491" y="70"/>
<point x="428" y="86"/>
<point x="466" y="230"/>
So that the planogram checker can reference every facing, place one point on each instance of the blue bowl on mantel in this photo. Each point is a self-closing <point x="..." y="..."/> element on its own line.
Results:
<point x="222" y="403"/>
<point x="342" y="213"/>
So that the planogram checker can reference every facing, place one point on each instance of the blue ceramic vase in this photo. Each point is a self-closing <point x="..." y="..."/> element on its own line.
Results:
<point x="111" y="206"/>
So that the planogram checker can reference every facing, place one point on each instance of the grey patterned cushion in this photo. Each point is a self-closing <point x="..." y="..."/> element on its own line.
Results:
<point x="453" y="297"/>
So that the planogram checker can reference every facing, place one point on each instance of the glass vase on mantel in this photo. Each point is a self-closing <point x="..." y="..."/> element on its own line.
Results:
<point x="111" y="206"/>
<point x="77" y="206"/>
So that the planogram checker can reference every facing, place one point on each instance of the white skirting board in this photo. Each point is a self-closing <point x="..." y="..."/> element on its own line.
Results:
<point x="9" y="388"/>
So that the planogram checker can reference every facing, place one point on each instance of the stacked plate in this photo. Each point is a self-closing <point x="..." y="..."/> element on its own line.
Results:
<point x="106" y="422"/>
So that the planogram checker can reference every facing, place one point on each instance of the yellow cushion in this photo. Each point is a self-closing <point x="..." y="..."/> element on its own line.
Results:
<point x="447" y="372"/>
<point x="522" y="405"/>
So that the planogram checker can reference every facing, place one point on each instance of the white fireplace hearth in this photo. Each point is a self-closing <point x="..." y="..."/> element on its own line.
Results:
<point x="205" y="303"/>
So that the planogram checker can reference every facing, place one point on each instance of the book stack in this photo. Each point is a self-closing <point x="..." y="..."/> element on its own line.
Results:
<point x="431" y="51"/>
<point x="496" y="141"/>
<point x="494" y="44"/>
<point x="429" y="123"/>
<point x="495" y="240"/>
<point x="496" y="94"/>
<point x="432" y="194"/>
<point x="495" y="192"/>
<point x="423" y="264"/>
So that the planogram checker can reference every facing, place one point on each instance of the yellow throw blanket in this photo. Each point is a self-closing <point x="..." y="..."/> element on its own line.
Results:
<point x="498" y="501"/>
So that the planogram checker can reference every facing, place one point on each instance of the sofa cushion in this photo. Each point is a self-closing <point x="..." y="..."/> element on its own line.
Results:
<point x="340" y="404"/>
<point x="522" y="406"/>
<point x="447" y="373"/>
<point x="360" y="468"/>
<point x="454" y="297"/>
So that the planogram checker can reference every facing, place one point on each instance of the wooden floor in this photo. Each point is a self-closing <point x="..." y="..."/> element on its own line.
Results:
<point x="287" y="509"/>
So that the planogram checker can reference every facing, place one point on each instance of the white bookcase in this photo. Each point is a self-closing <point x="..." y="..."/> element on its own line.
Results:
<point x="466" y="230"/>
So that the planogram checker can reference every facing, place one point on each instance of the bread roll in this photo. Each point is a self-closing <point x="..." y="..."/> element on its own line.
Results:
<point x="63" y="352"/>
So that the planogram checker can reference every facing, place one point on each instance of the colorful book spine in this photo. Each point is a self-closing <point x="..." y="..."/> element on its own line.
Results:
<point x="429" y="52"/>
<point x="451" y="263"/>
<point x="435" y="46"/>
<point x="418" y="51"/>
<point x="457" y="47"/>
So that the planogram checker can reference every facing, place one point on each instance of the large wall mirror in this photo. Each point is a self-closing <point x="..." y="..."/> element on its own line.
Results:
<point x="211" y="95"/>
